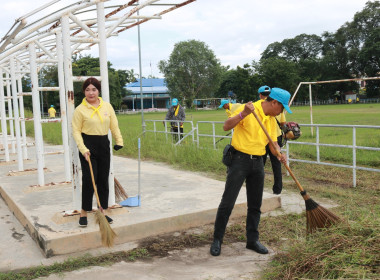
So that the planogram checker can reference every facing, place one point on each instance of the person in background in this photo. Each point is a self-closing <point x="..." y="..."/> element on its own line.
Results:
<point x="249" y="142"/>
<point x="176" y="113"/>
<point x="51" y="111"/>
<point x="264" y="92"/>
<point x="92" y="121"/>
<point x="228" y="106"/>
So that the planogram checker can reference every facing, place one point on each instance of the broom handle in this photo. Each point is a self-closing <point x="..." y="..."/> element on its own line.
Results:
<point x="278" y="152"/>
<point x="93" y="183"/>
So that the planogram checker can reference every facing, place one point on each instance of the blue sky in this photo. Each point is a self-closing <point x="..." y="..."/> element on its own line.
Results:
<point x="237" y="31"/>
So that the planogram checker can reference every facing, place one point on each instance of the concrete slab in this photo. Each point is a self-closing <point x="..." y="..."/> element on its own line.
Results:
<point x="171" y="200"/>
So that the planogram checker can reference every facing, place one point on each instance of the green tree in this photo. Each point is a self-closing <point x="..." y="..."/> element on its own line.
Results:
<point x="364" y="44"/>
<point x="301" y="54"/>
<point x="278" y="72"/>
<point x="48" y="77"/>
<point x="125" y="77"/>
<point x="296" y="49"/>
<point x="192" y="71"/>
<point x="239" y="81"/>
<point x="89" y="66"/>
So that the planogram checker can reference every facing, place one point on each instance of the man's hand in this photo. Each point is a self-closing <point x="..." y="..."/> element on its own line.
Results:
<point x="282" y="158"/>
<point x="248" y="109"/>
<point x="230" y="123"/>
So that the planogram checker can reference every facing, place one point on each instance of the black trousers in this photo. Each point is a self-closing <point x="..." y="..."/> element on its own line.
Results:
<point x="276" y="167"/>
<point x="99" y="147"/>
<point x="175" y="136"/>
<point x="251" y="170"/>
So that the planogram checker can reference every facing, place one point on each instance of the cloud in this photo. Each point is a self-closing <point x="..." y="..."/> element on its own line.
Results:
<point x="237" y="31"/>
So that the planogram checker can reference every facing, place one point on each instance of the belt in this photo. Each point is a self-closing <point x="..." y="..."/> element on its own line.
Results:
<point x="247" y="155"/>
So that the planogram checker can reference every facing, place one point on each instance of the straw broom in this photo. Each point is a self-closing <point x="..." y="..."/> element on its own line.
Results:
<point x="106" y="232"/>
<point x="316" y="215"/>
<point x="120" y="193"/>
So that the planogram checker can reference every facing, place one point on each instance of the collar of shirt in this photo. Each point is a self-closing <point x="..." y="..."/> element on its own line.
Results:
<point x="261" y="111"/>
<point x="264" y="118"/>
<point x="96" y="110"/>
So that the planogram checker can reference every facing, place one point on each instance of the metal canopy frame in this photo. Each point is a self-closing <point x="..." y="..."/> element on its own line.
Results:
<point x="52" y="40"/>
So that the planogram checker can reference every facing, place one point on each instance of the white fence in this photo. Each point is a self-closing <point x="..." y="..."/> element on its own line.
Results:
<point x="196" y="136"/>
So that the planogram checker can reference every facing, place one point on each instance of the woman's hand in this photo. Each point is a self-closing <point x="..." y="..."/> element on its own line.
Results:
<point x="87" y="155"/>
<point x="117" y="147"/>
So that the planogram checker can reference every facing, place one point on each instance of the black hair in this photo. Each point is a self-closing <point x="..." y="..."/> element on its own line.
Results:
<point x="92" y="81"/>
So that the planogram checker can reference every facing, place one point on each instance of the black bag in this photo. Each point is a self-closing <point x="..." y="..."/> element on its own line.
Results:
<point x="281" y="141"/>
<point x="227" y="154"/>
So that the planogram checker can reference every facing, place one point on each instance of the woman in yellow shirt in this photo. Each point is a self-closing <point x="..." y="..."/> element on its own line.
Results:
<point x="92" y="120"/>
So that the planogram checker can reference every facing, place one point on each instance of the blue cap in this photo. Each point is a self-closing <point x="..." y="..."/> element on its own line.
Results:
<point x="223" y="102"/>
<point x="51" y="105"/>
<point x="174" y="102"/>
<point x="281" y="96"/>
<point x="264" y="90"/>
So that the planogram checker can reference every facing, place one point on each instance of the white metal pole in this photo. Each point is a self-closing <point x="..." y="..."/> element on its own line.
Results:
<point x="22" y="113"/>
<point x="354" y="156"/>
<point x="4" y="128"/>
<point x="151" y="82"/>
<point x="10" y="114"/>
<point x="139" y="172"/>
<point x="16" y="114"/>
<point x="311" y="111"/>
<point x="105" y="87"/>
<point x="140" y="72"/>
<point x="36" y="114"/>
<point x="69" y="87"/>
<point x="62" y="105"/>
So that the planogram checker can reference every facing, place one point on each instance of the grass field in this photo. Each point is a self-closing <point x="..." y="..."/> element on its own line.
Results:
<point x="347" y="251"/>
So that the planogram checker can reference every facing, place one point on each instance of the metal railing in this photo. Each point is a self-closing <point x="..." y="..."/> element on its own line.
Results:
<point x="318" y="144"/>
<point x="213" y="135"/>
<point x="216" y="138"/>
<point x="178" y="136"/>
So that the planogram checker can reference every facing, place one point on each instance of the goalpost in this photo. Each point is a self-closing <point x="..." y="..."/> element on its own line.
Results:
<point x="323" y="82"/>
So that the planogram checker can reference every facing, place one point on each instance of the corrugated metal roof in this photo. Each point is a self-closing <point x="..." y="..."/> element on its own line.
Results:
<point x="148" y="83"/>
<point x="148" y="86"/>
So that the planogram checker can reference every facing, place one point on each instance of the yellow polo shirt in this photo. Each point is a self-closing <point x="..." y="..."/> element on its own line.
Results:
<point x="248" y="136"/>
<point x="95" y="121"/>
<point x="231" y="108"/>
<point x="51" y="112"/>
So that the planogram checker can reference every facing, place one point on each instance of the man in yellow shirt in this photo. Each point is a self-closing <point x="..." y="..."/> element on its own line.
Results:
<point x="51" y="111"/>
<point x="229" y="107"/>
<point x="264" y="92"/>
<point x="249" y="141"/>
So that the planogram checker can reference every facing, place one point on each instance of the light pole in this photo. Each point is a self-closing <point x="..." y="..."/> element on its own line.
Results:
<point x="140" y="71"/>
<point x="151" y="82"/>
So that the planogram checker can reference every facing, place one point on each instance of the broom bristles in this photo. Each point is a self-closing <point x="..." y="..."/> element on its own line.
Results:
<point x="119" y="191"/>
<point x="317" y="216"/>
<point x="106" y="232"/>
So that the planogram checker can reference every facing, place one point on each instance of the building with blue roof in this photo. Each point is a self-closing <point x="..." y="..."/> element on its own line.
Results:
<point x="154" y="93"/>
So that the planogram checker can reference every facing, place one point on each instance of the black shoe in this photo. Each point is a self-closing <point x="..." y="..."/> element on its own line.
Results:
<point x="110" y="221"/>
<point x="83" y="221"/>
<point x="216" y="247"/>
<point x="277" y="191"/>
<point x="257" y="247"/>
